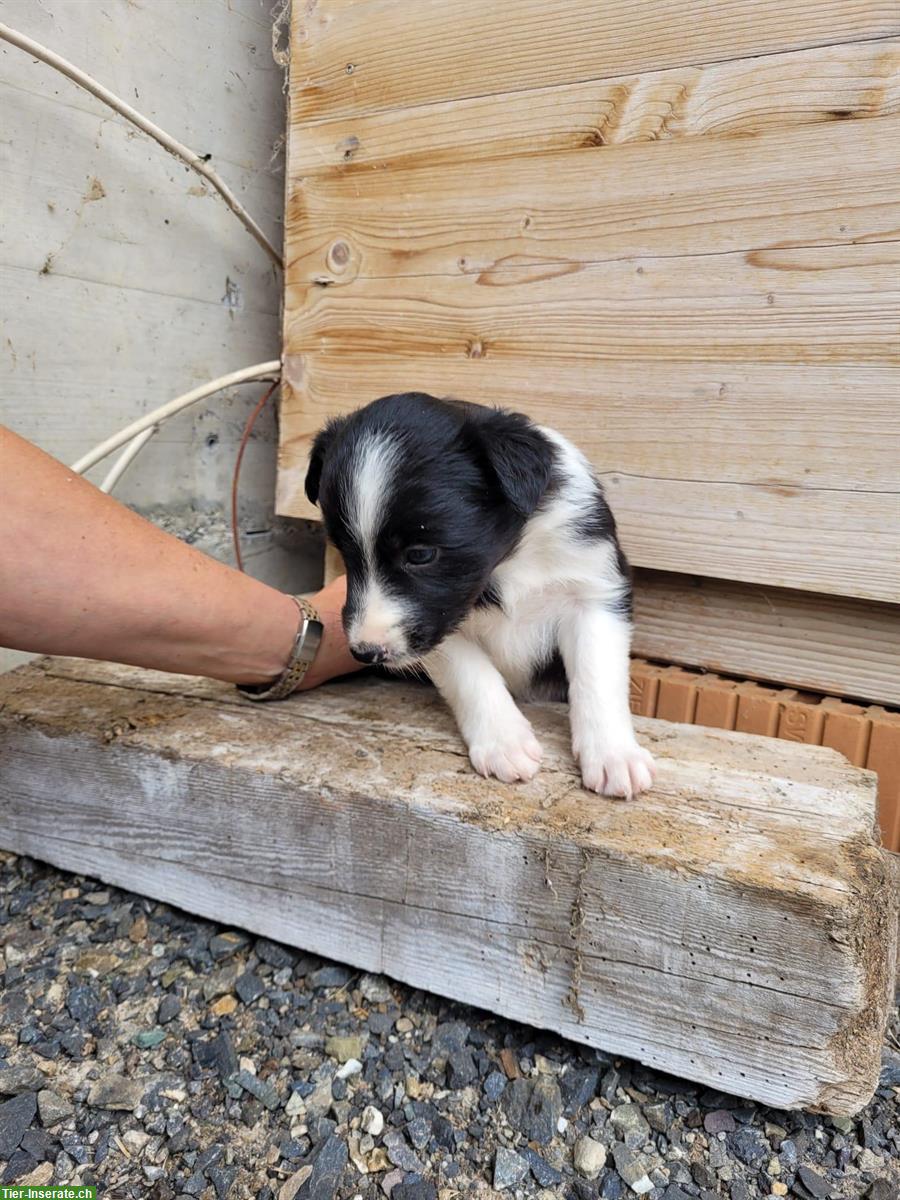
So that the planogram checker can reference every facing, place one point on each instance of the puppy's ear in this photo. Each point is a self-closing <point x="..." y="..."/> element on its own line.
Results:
<point x="320" y="447"/>
<point x="518" y="455"/>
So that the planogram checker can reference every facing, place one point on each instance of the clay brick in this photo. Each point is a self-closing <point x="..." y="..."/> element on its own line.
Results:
<point x="644" y="688"/>
<point x="802" y="720"/>
<point x="717" y="702"/>
<point x="759" y="708"/>
<point x="884" y="757"/>
<point x="677" y="699"/>
<point x="846" y="729"/>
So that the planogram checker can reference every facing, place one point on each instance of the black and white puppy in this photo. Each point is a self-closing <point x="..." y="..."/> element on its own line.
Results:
<point x="479" y="547"/>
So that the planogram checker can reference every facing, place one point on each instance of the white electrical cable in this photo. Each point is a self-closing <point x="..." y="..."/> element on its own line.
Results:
<point x="123" y="462"/>
<point x="131" y="114"/>
<point x="266" y="370"/>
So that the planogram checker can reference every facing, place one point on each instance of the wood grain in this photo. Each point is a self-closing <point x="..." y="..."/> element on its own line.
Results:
<point x="739" y="98"/>
<point x="827" y="644"/>
<point x="784" y="189"/>
<point x="355" y="58"/>
<point x="361" y="834"/>
<point x="727" y="471"/>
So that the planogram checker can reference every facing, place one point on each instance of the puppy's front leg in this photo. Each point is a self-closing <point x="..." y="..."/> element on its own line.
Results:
<point x="594" y="642"/>
<point x="499" y="739"/>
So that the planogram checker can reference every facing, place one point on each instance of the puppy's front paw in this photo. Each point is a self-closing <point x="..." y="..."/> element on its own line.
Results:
<point x="508" y="751"/>
<point x="624" y="770"/>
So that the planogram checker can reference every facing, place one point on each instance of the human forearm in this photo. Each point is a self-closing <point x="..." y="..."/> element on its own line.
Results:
<point x="82" y="575"/>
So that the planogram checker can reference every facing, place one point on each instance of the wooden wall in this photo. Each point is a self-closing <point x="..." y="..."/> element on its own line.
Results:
<point x="670" y="230"/>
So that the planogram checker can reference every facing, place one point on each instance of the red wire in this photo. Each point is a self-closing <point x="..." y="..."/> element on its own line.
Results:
<point x="245" y="438"/>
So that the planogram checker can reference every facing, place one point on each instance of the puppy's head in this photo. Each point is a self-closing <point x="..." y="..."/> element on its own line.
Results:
<point x="423" y="498"/>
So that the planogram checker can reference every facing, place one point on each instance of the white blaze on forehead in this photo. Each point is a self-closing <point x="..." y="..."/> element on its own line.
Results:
<point x="380" y="617"/>
<point x="372" y="471"/>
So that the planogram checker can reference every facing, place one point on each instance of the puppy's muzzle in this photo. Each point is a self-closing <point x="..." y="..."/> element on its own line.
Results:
<point x="369" y="652"/>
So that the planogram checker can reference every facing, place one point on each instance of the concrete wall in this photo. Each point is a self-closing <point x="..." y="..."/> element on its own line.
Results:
<point x="124" y="281"/>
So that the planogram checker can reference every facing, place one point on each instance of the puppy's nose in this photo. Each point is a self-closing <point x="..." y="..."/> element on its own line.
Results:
<point x="368" y="652"/>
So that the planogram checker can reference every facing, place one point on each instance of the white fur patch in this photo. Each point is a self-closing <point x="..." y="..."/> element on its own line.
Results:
<point x="370" y="479"/>
<point x="380" y="618"/>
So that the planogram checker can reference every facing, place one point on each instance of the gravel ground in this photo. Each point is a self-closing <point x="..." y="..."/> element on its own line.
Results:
<point x="161" y="1056"/>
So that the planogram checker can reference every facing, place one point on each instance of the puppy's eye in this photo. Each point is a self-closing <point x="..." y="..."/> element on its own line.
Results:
<point x="420" y="556"/>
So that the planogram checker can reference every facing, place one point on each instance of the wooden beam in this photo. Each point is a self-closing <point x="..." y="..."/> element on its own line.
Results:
<point x="735" y="926"/>
<point x="829" y="644"/>
<point x="353" y="58"/>
<point x="730" y="99"/>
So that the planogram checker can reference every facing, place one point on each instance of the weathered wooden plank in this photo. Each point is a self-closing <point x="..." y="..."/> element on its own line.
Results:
<point x="817" y="305"/>
<point x="699" y="481"/>
<point x="781" y="189"/>
<point x="353" y="58"/>
<point x="360" y="833"/>
<point x="772" y="424"/>
<point x="829" y="644"/>
<point x="805" y="87"/>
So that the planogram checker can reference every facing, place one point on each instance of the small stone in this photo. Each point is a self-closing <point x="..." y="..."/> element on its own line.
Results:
<point x="328" y="977"/>
<point x="15" y="1080"/>
<point x="400" y="1154"/>
<point x="264" y="1092"/>
<point x="224" y="1006"/>
<point x="882" y="1189"/>
<point x="83" y="1003"/>
<point x="509" y="1168"/>
<point x="578" y="1087"/>
<point x="779" y="1188"/>
<point x="372" y="1121"/>
<point x="39" y="1177"/>
<point x="719" y="1121"/>
<point x="249" y="987"/>
<point x="344" y="1047"/>
<point x="223" y="945"/>
<point x="350" y="1068"/>
<point x="148" y="1038"/>
<point x="390" y="1181"/>
<point x="461" y="1069"/>
<point x="844" y="1124"/>
<point x="631" y="1125"/>
<point x="659" y="1116"/>
<point x="869" y="1162"/>
<point x="319" y="1101"/>
<point x="509" y="1064"/>
<point x="138" y="930"/>
<point x="404" y="1025"/>
<point x="376" y="989"/>
<point x="169" y="1008"/>
<point x="589" y="1157"/>
<point x="326" y="1169"/>
<point x="493" y="1086"/>
<point x="749" y="1146"/>
<point x="222" y="1178"/>
<point x="98" y="899"/>
<point x="419" y="1132"/>
<point x="53" y="1108"/>
<point x="116" y="1093"/>
<point x="632" y="1168"/>
<point x="292" y="1186"/>
<point x="220" y="983"/>
<point x="890" y="1069"/>
<point x="421" y="1189"/>
<point x="15" y="1117"/>
<point x="545" y="1175"/>
<point x="813" y="1182"/>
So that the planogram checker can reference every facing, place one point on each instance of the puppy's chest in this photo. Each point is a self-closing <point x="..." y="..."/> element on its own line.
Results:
<point x="518" y="638"/>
